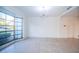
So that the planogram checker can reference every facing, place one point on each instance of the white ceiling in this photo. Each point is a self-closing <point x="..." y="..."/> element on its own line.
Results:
<point x="32" y="11"/>
<point x="73" y="13"/>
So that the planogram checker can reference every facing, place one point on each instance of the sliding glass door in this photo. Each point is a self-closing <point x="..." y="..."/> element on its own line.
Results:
<point x="18" y="28"/>
<point x="10" y="28"/>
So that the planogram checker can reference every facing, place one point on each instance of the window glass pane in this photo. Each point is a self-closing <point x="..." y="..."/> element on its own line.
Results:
<point x="18" y="28"/>
<point x="10" y="18"/>
<point x="18" y="20"/>
<point x="9" y="23"/>
<point x="19" y="36"/>
<point x="18" y="24"/>
<point x="2" y="15"/>
<point x="2" y="22"/>
<point x="4" y="35"/>
<point x="10" y="28"/>
<point x="1" y="29"/>
<point x="10" y="32"/>
<point x="18" y="32"/>
<point x="11" y="38"/>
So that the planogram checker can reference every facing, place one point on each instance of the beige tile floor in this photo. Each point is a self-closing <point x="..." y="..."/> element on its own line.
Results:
<point x="42" y="45"/>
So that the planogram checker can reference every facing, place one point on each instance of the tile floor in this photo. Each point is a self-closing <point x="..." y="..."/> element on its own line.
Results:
<point x="42" y="45"/>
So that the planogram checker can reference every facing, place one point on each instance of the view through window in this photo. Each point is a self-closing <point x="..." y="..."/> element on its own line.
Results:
<point x="10" y="28"/>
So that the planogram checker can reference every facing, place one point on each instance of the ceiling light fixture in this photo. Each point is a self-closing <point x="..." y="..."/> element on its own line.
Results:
<point x="43" y="8"/>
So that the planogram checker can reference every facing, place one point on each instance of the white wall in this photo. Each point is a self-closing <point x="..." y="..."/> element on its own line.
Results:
<point x="72" y="20"/>
<point x="42" y="27"/>
<point x="25" y="27"/>
<point x="68" y="30"/>
<point x="76" y="28"/>
<point x="53" y="27"/>
<point x="45" y="27"/>
<point x="72" y="27"/>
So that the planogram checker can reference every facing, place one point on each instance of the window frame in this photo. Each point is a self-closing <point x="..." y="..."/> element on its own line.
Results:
<point x="5" y="20"/>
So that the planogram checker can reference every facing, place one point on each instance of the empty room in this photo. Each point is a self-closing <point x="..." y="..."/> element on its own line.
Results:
<point x="39" y="29"/>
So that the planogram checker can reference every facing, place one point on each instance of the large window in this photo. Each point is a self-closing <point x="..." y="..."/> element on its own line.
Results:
<point x="18" y="28"/>
<point x="10" y="28"/>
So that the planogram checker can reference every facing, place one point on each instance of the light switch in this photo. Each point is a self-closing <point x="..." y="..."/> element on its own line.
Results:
<point x="64" y="25"/>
